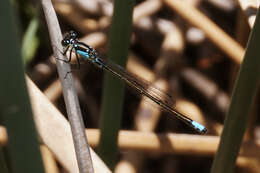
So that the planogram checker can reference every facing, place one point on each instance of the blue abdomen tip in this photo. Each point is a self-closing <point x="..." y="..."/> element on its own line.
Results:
<point x="200" y="128"/>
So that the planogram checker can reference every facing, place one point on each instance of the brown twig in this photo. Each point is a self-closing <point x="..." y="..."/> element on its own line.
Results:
<point x="167" y="143"/>
<point x="213" y="32"/>
<point x="70" y="96"/>
<point x="172" y="143"/>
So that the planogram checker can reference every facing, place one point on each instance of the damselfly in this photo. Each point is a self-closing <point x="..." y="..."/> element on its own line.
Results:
<point x="70" y="41"/>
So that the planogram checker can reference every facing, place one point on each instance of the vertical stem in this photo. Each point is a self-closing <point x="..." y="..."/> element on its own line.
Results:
<point x="241" y="102"/>
<point x="15" y="109"/>
<point x="69" y="92"/>
<point x="119" y="40"/>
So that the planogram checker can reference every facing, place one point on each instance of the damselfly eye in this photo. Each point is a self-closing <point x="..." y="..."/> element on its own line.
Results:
<point x="65" y="42"/>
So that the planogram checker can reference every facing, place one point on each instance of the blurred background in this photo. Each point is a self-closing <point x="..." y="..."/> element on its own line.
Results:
<point x="190" y="50"/>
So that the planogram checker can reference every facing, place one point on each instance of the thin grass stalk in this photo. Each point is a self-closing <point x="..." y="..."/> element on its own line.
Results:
<point x="113" y="93"/>
<point x="15" y="110"/>
<point x="241" y="103"/>
<point x="70" y="96"/>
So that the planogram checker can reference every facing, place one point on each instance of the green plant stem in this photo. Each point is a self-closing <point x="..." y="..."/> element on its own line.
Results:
<point x="113" y="93"/>
<point x="241" y="102"/>
<point x="15" y="109"/>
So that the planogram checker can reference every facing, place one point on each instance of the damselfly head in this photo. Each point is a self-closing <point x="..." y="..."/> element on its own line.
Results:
<point x="73" y="34"/>
<point x="69" y="38"/>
